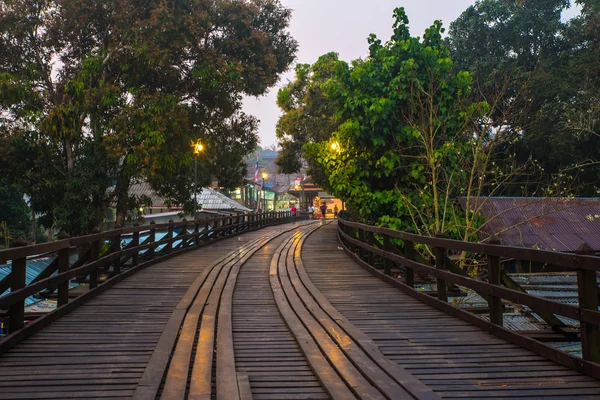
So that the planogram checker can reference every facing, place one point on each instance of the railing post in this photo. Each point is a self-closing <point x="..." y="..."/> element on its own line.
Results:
<point x="370" y="237"/>
<point x="587" y="290"/>
<point x="94" y="255"/>
<point x="206" y="226"/>
<point x="184" y="233"/>
<point x="494" y="303"/>
<point x="151" y="240"/>
<point x="63" y="266"/>
<point x="169" y="245"/>
<point x="135" y="242"/>
<point x="409" y="252"/>
<point x="440" y="252"/>
<point x="116" y="246"/>
<point x="387" y="246"/>
<point x="196" y="232"/>
<point x="18" y="274"/>
<point x="361" y="237"/>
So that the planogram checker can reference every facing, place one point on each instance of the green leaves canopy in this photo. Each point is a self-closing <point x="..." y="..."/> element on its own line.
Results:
<point x="405" y="119"/>
<point x="103" y="93"/>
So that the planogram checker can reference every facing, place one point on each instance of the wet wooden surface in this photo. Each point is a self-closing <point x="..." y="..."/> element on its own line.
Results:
<point x="264" y="347"/>
<point x="279" y="313"/>
<point x="452" y="357"/>
<point x="102" y="349"/>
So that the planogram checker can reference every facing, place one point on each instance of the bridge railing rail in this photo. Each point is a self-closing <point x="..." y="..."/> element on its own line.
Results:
<point x="111" y="255"/>
<point x="367" y="242"/>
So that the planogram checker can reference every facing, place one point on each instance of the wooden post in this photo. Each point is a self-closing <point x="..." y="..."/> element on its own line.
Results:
<point x="494" y="272"/>
<point x="587" y="290"/>
<point x="152" y="239"/>
<point x="409" y="252"/>
<point x="135" y="242"/>
<point x="205" y="233"/>
<point x="371" y="242"/>
<point x="361" y="237"/>
<point x="169" y="245"/>
<point x="184" y="233"/>
<point x="196" y="232"/>
<point x="116" y="247"/>
<point x="440" y="252"/>
<point x="387" y="246"/>
<point x="63" y="266"/>
<point x="18" y="276"/>
<point x="94" y="255"/>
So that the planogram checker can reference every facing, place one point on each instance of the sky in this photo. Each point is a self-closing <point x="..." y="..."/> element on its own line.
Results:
<point x="342" y="26"/>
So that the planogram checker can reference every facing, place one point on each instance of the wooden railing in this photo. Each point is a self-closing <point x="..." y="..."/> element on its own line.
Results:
<point x="369" y="244"/>
<point x="104" y="254"/>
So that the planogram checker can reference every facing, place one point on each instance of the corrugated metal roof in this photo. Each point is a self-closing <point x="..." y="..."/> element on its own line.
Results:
<point x="213" y="200"/>
<point x="143" y="189"/>
<point x="34" y="268"/>
<point x="546" y="223"/>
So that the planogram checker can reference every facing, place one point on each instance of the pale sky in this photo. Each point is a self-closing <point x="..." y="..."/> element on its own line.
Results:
<point x="342" y="26"/>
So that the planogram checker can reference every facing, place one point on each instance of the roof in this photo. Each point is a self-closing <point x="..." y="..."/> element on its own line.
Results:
<point x="34" y="267"/>
<point x="560" y="224"/>
<point x="280" y="188"/>
<point x="144" y="189"/>
<point x="213" y="200"/>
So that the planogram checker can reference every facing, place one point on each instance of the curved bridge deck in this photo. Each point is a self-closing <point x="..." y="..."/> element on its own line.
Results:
<point x="279" y="313"/>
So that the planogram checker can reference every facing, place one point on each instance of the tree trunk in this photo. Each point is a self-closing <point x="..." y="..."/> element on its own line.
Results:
<point x="122" y="196"/>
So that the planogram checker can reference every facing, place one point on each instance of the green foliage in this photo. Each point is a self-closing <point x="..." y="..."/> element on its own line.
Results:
<point x="96" y="95"/>
<point x="405" y="117"/>
<point x="553" y="67"/>
<point x="308" y="116"/>
<point x="15" y="215"/>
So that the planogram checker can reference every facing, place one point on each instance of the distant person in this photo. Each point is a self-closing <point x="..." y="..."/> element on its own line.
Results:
<point x="293" y="211"/>
<point x="323" y="210"/>
<point x="335" y="211"/>
<point x="310" y="212"/>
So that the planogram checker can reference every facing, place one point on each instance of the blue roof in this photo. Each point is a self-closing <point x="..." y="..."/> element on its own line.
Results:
<point x="34" y="267"/>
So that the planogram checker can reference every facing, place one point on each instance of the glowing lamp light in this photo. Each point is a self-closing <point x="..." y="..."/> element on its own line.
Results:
<point x="335" y="146"/>
<point x="197" y="146"/>
<point x="264" y="175"/>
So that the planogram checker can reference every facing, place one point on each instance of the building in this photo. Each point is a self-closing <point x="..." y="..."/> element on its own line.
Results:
<point x="559" y="224"/>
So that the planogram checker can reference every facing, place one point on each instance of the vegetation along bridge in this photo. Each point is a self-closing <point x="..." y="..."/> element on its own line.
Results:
<point x="263" y="307"/>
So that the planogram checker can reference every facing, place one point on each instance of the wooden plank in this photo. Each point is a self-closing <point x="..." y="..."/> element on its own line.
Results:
<point x="341" y="323"/>
<point x="406" y="331"/>
<point x="244" y="386"/>
<point x="332" y="383"/>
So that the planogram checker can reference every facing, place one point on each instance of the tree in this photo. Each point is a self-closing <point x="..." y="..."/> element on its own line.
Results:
<point x="308" y="116"/>
<point x="15" y="215"/>
<point x="108" y="93"/>
<point x="554" y="69"/>
<point x="413" y="139"/>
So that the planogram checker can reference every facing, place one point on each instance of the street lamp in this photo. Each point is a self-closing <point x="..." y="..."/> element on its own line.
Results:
<point x="264" y="176"/>
<point x="198" y="147"/>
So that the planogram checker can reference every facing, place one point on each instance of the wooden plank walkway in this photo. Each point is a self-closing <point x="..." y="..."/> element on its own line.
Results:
<point x="278" y="313"/>
<point x="447" y="354"/>
<point x="265" y="349"/>
<point x="102" y="349"/>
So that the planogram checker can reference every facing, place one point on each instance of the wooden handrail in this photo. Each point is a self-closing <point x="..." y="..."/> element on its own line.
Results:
<point x="115" y="258"/>
<point x="354" y="237"/>
<point x="573" y="261"/>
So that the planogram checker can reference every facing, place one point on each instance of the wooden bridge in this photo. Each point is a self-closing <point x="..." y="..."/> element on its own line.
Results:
<point x="263" y="307"/>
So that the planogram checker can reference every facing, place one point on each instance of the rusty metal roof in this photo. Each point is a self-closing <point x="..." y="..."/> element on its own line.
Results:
<point x="559" y="224"/>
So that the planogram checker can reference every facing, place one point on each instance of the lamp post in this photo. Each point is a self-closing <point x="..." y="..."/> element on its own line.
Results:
<point x="264" y="176"/>
<point x="198" y="147"/>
